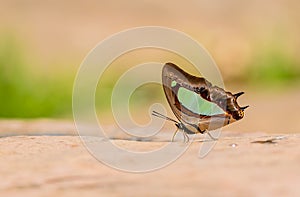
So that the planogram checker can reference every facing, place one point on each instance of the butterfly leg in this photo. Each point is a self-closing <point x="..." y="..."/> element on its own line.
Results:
<point x="174" y="135"/>
<point x="185" y="137"/>
<point x="213" y="138"/>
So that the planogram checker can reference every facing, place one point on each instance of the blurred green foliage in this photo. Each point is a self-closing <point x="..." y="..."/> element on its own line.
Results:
<point x="25" y="95"/>
<point x="272" y="67"/>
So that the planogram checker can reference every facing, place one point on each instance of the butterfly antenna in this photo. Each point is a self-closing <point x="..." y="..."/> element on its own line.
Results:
<point x="159" y="115"/>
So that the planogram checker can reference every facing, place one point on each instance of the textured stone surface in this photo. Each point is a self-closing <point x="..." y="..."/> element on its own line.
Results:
<point x="61" y="166"/>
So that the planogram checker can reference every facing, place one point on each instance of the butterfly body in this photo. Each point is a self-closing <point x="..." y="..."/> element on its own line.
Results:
<point x="182" y="91"/>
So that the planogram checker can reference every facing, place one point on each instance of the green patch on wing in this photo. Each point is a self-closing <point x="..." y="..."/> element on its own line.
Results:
<point x="197" y="104"/>
<point x="173" y="84"/>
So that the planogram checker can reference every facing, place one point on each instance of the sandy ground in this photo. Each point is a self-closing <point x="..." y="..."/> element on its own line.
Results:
<point x="61" y="166"/>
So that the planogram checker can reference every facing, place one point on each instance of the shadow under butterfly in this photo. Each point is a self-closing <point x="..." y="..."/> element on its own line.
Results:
<point x="198" y="105"/>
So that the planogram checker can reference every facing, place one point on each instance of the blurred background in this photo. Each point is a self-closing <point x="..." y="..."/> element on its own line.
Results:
<point x="255" y="44"/>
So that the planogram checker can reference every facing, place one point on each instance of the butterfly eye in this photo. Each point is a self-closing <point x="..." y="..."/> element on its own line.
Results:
<point x="241" y="113"/>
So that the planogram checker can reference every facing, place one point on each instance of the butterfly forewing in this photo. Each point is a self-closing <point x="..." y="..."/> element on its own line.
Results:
<point x="189" y="99"/>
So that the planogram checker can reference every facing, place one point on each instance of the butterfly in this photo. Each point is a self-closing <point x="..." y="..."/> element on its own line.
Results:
<point x="198" y="105"/>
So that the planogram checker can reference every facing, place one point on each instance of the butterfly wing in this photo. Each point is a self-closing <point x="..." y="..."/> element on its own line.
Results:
<point x="177" y="82"/>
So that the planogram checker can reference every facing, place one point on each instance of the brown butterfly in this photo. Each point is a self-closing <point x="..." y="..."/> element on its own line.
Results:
<point x="177" y="83"/>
